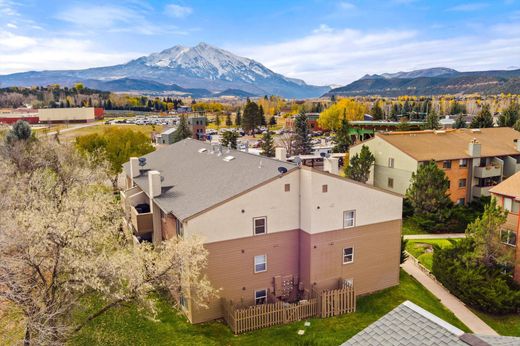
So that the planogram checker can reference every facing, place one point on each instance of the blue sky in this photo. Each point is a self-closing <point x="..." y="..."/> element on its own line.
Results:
<point x="322" y="42"/>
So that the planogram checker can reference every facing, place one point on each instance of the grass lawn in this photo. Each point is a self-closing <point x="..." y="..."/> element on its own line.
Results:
<point x="422" y="249"/>
<point x="503" y="325"/>
<point x="124" y="326"/>
<point x="146" y="129"/>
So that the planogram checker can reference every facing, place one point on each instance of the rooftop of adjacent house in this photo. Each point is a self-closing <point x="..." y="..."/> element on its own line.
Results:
<point x="169" y="131"/>
<point x="409" y="324"/>
<point x="453" y="144"/>
<point x="197" y="176"/>
<point x="509" y="187"/>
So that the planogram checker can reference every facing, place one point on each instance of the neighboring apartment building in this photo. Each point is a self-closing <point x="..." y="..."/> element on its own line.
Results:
<point x="197" y="126"/>
<point x="71" y="115"/>
<point x="474" y="160"/>
<point x="507" y="194"/>
<point x="273" y="229"/>
<point x="312" y="122"/>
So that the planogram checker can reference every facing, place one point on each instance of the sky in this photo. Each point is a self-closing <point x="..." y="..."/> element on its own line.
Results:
<point x="321" y="42"/>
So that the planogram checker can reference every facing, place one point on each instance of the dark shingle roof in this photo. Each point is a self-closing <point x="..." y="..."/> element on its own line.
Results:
<point x="200" y="180"/>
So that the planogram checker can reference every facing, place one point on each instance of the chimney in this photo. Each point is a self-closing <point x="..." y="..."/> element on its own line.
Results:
<point x="134" y="169"/>
<point x="517" y="144"/>
<point x="154" y="183"/>
<point x="331" y="165"/>
<point x="474" y="148"/>
<point x="280" y="154"/>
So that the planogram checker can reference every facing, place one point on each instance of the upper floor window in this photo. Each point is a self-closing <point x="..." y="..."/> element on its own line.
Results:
<point x="508" y="203"/>
<point x="260" y="263"/>
<point x="462" y="183"/>
<point x="324" y="188"/>
<point x="287" y="187"/>
<point x="349" y="218"/>
<point x="260" y="225"/>
<point x="463" y="163"/>
<point x="508" y="237"/>
<point x="260" y="296"/>
<point x="446" y="164"/>
<point x="391" y="162"/>
<point x="348" y="255"/>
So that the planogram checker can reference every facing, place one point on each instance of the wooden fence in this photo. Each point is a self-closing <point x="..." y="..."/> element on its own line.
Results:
<point x="327" y="303"/>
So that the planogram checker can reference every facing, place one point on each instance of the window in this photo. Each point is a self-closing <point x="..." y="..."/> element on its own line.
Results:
<point x="260" y="263"/>
<point x="183" y="301"/>
<point x="324" y="188"/>
<point x="260" y="225"/>
<point x="260" y="296"/>
<point x="349" y="218"/>
<point x="391" y="162"/>
<point x="508" y="237"/>
<point x="391" y="183"/>
<point x="463" y="163"/>
<point x="461" y="201"/>
<point x="462" y="183"/>
<point x="287" y="187"/>
<point x="348" y="255"/>
<point x="446" y="164"/>
<point x="508" y="203"/>
<point x="178" y="228"/>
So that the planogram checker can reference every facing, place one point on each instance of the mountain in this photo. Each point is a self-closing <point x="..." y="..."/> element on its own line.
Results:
<point x="200" y="67"/>
<point x="434" y="81"/>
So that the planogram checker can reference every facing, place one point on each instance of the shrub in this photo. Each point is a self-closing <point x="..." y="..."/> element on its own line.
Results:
<point x="486" y="289"/>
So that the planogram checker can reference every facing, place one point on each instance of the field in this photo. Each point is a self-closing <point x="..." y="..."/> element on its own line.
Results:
<point x="70" y="133"/>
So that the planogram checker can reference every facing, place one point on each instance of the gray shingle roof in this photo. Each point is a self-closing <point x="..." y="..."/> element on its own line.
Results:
<point x="201" y="180"/>
<point x="410" y="325"/>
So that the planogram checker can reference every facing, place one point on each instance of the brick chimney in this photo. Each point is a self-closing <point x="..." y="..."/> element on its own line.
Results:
<point x="474" y="148"/>
<point x="281" y="154"/>
<point x="154" y="183"/>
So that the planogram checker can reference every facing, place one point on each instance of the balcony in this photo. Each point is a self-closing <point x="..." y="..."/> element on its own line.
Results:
<point x="481" y="191"/>
<point x="488" y="171"/>
<point x="142" y="220"/>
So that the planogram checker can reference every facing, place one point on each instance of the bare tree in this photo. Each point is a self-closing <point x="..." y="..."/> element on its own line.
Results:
<point x="61" y="244"/>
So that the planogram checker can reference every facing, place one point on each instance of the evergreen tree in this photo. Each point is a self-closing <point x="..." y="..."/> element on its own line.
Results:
<point x="457" y="108"/>
<point x="509" y="116"/>
<point x="217" y="120"/>
<point x="483" y="119"/>
<point x="360" y="164"/>
<point x="377" y="112"/>
<point x="428" y="191"/>
<point x="250" y="118"/>
<point x="516" y="126"/>
<point x="395" y="112"/>
<point x="183" y="130"/>
<point x="272" y="121"/>
<point x="238" y="118"/>
<point x="342" y="137"/>
<point x="267" y="145"/>
<point x="460" y="122"/>
<point x="21" y="131"/>
<point x="228" y="120"/>
<point x="261" y="116"/>
<point x="432" y="121"/>
<point x="302" y="140"/>
<point x="229" y="139"/>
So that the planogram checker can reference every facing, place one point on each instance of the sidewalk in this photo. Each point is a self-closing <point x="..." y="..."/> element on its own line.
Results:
<point x="435" y="236"/>
<point x="451" y="302"/>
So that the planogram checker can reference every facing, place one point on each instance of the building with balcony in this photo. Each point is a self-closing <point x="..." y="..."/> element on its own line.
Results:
<point x="474" y="160"/>
<point x="274" y="230"/>
<point x="507" y="195"/>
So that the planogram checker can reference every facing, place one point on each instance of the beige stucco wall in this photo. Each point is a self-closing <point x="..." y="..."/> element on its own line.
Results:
<point x="66" y="114"/>
<point x="404" y="165"/>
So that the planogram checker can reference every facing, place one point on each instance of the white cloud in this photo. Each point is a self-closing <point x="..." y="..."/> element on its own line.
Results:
<point x="12" y="25"/>
<point x="11" y="41"/>
<point x="322" y="29"/>
<point x="346" y="5"/>
<point x="342" y="56"/>
<point x="7" y="8"/>
<point x="178" y="11"/>
<point x="469" y="7"/>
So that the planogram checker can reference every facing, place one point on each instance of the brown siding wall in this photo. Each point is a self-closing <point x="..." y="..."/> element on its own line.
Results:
<point x="376" y="257"/>
<point x="454" y="174"/>
<point x="168" y="226"/>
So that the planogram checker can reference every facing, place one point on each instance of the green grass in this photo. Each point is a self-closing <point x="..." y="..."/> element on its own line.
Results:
<point x="420" y="249"/>
<point x="410" y="226"/>
<point x="503" y="325"/>
<point x="125" y="326"/>
<point x="146" y="129"/>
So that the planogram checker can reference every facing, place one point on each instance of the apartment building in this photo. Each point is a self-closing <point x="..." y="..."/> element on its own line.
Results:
<point x="474" y="160"/>
<point x="274" y="230"/>
<point x="507" y="195"/>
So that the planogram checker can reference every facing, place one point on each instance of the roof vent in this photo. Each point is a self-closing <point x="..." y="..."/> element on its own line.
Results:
<point x="439" y="132"/>
<point x="475" y="130"/>
<point x="202" y="150"/>
<point x="228" y="158"/>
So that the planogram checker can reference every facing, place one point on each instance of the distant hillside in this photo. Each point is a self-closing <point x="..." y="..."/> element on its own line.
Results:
<point x="433" y="82"/>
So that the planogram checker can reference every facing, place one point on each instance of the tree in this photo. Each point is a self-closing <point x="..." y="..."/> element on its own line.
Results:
<point x="483" y="119"/>
<point x="272" y="121"/>
<point x="509" y="116"/>
<point x="404" y="255"/>
<point x="21" y="131"/>
<point x="460" y="122"/>
<point x="238" y="118"/>
<point x="330" y="118"/>
<point x="457" y="108"/>
<point x="217" y="120"/>
<point x="302" y="140"/>
<point x="261" y="116"/>
<point x="485" y="232"/>
<point x="432" y="121"/>
<point x="228" y="120"/>
<point x="360" y="165"/>
<point x="229" y="139"/>
<point x="183" y="130"/>
<point x="267" y="145"/>
<point x="428" y="191"/>
<point x="250" y="118"/>
<point x="377" y="112"/>
<point x="66" y="260"/>
<point x="115" y="145"/>
<point x="342" y="137"/>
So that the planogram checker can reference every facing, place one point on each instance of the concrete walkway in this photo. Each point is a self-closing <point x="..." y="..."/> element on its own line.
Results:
<point x="435" y="236"/>
<point x="451" y="302"/>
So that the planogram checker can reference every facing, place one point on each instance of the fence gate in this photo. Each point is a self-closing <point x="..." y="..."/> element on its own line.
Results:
<point x="338" y="302"/>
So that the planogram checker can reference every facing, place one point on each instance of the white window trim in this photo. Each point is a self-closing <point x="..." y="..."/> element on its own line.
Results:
<point x="508" y="232"/>
<point x="254" y="225"/>
<point x="391" y="162"/>
<point x="510" y="204"/>
<point x="255" y="264"/>
<point x="353" y="219"/>
<point x="343" y="254"/>
<point x="258" y="290"/>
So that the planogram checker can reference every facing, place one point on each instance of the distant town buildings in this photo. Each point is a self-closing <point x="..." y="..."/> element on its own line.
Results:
<point x="52" y="115"/>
